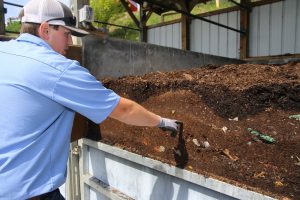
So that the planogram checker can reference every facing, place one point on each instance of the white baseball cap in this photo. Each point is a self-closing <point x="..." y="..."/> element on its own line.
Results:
<point x="53" y="12"/>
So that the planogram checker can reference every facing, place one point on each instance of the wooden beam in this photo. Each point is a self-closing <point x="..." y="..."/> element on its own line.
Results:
<point x="125" y="4"/>
<point x="185" y="32"/>
<point x="2" y="18"/>
<point x="148" y="15"/>
<point x="244" y="24"/>
<point x="192" y="4"/>
<point x="264" y="2"/>
<point x="185" y="27"/>
<point x="183" y="4"/>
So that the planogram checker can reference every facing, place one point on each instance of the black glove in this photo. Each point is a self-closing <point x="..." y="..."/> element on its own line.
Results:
<point x="169" y="125"/>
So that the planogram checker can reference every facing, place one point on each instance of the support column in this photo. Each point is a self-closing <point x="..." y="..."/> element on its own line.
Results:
<point x="185" y="32"/>
<point x="244" y="24"/>
<point x="143" y="26"/>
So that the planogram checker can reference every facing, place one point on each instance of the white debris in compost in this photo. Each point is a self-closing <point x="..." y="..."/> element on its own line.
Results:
<point x="195" y="141"/>
<point x="224" y="129"/>
<point x="206" y="144"/>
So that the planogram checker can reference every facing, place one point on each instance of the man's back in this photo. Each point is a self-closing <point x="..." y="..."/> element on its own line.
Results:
<point x="31" y="120"/>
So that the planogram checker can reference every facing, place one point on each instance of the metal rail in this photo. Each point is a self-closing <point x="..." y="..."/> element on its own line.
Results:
<point x="13" y="4"/>
<point x="126" y="27"/>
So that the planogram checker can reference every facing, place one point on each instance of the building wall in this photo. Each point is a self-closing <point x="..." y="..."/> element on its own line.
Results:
<point x="215" y="40"/>
<point x="168" y="36"/>
<point x="274" y="30"/>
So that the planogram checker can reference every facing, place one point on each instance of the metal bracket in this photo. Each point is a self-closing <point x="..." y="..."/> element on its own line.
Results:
<point x="76" y="150"/>
<point x="104" y="188"/>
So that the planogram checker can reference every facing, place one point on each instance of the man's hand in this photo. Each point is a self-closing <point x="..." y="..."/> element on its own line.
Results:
<point x="169" y="125"/>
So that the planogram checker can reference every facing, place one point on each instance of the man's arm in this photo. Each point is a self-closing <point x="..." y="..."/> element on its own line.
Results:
<point x="130" y="112"/>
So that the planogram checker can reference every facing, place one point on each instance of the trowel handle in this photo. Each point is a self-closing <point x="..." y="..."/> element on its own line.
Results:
<point x="179" y="129"/>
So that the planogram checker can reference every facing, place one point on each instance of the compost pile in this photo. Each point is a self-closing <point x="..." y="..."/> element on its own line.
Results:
<point x="241" y="123"/>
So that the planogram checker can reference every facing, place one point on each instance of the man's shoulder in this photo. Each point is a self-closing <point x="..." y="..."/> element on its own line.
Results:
<point x="38" y="55"/>
<point x="53" y="60"/>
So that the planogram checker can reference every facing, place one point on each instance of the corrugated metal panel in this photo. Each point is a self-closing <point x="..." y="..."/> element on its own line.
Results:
<point x="163" y="36"/>
<point x="289" y="28"/>
<point x="177" y="35"/>
<point x="233" y="37"/>
<point x="214" y="36"/>
<point x="151" y="35"/>
<point x="297" y="50"/>
<point x="254" y="29"/>
<point x="205" y="37"/>
<point x="196" y="33"/>
<point x="264" y="30"/>
<point x="275" y="29"/>
<point x="276" y="24"/>
<point x="169" y="35"/>
<point x="211" y="39"/>
<point x="157" y="36"/>
<point x="223" y="42"/>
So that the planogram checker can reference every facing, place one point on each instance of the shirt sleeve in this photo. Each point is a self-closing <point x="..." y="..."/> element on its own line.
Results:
<point x="78" y="90"/>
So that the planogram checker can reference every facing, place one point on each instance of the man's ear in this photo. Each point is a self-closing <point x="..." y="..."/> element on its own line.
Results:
<point x="44" y="31"/>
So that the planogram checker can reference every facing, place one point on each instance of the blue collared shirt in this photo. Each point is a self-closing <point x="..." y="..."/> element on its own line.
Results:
<point x="39" y="92"/>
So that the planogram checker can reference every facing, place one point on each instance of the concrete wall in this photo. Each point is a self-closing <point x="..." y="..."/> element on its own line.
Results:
<point x="114" y="58"/>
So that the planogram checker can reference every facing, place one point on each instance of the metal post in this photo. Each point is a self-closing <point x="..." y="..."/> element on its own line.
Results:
<point x="2" y="18"/>
<point x="75" y="6"/>
<point x="83" y="170"/>
<point x="143" y="27"/>
<point x="73" y="177"/>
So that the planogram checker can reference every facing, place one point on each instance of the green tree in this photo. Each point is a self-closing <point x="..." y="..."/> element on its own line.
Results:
<point x="106" y="10"/>
<point x="13" y="26"/>
<point x="113" y="12"/>
<point x="211" y="6"/>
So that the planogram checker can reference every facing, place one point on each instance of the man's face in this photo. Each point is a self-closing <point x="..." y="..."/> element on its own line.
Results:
<point x="60" y="39"/>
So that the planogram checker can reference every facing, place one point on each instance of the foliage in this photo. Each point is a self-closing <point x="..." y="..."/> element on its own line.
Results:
<point x="106" y="11"/>
<point x="123" y="33"/>
<point x="13" y="26"/>
<point x="113" y="12"/>
<point x="211" y="6"/>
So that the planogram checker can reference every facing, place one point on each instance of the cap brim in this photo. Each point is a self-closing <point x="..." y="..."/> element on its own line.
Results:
<point x="76" y="31"/>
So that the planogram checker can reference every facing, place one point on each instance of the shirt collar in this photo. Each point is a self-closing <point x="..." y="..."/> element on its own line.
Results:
<point x="26" y="37"/>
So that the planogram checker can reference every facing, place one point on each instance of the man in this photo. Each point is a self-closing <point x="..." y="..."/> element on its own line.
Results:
<point x="40" y="91"/>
